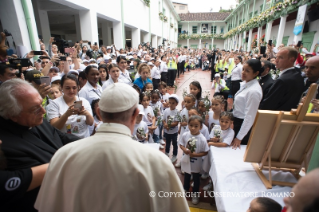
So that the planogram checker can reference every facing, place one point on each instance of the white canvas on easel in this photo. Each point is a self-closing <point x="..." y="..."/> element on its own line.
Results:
<point x="282" y="140"/>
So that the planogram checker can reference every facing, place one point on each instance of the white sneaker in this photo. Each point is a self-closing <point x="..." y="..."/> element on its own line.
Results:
<point x="204" y="176"/>
<point x="178" y="164"/>
<point x="208" y="187"/>
<point x="167" y="154"/>
<point x="195" y="200"/>
<point x="174" y="159"/>
<point x="183" y="172"/>
<point x="192" y="184"/>
<point x="161" y="146"/>
<point x="162" y="142"/>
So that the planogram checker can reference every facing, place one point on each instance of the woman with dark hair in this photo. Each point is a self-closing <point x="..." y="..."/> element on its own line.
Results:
<point x="124" y="75"/>
<point x="164" y="69"/>
<point x="91" y="90"/>
<point x="70" y="113"/>
<point x="246" y="102"/>
<point x="236" y="75"/>
<point x="104" y="75"/>
<point x="82" y="54"/>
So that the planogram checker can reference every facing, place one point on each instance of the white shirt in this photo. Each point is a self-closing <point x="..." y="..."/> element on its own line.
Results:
<point x="236" y="72"/>
<point x="246" y="104"/>
<point x="90" y="93"/>
<point x="173" y="114"/>
<point x="125" y="77"/>
<point x="110" y="82"/>
<point x="203" y="131"/>
<point x="140" y="129"/>
<point x="76" y="124"/>
<point x="84" y="168"/>
<point x="184" y="117"/>
<point x="211" y="121"/>
<point x="220" y="86"/>
<point x="155" y="73"/>
<point x="201" y="146"/>
<point x="164" y="98"/>
<point x="148" y="114"/>
<point x="163" y="67"/>
<point x="226" y="136"/>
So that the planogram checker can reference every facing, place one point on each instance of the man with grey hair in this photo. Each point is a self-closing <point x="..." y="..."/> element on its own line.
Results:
<point x="306" y="194"/>
<point x="286" y="91"/>
<point x="27" y="141"/>
<point x="109" y="170"/>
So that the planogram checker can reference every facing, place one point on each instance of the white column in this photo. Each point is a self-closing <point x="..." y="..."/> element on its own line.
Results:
<point x="78" y="27"/>
<point x="146" y="37"/>
<point x="268" y="31"/>
<point x="136" y="37"/>
<point x="13" y="19"/>
<point x="212" y="43"/>
<point x="259" y="35"/>
<point x="45" y="27"/>
<point x="240" y="40"/>
<point x="282" y="26"/>
<point x="200" y="44"/>
<point x="249" y="40"/>
<point x="105" y="34"/>
<point x="109" y="35"/>
<point x="88" y="21"/>
<point x="154" y="41"/>
<point x="118" y="34"/>
<point x="188" y="46"/>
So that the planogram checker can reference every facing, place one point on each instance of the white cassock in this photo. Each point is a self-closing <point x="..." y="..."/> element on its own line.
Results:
<point x="109" y="172"/>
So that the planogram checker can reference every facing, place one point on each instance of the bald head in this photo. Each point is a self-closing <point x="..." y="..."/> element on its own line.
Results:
<point x="306" y="191"/>
<point x="312" y="68"/>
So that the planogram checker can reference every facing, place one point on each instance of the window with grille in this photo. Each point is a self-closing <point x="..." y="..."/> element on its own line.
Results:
<point x="194" y="29"/>
<point x="213" y="29"/>
<point x="222" y="30"/>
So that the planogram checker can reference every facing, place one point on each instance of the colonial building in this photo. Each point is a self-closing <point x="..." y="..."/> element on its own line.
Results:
<point x="249" y="23"/>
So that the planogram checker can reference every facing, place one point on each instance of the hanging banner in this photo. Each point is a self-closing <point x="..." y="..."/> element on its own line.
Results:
<point x="300" y="19"/>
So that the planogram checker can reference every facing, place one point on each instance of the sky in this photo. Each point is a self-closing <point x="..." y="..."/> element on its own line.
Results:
<point x="205" y="5"/>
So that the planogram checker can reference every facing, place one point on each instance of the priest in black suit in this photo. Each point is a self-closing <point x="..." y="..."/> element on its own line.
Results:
<point x="266" y="80"/>
<point x="286" y="91"/>
<point x="27" y="141"/>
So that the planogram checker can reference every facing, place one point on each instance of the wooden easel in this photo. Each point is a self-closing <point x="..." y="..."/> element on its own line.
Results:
<point x="283" y="140"/>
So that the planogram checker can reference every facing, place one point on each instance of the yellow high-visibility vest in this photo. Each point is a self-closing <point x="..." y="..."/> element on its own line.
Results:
<point x="172" y="65"/>
<point x="231" y="66"/>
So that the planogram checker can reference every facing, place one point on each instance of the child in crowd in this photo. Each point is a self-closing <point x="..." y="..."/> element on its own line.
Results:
<point x="97" y="118"/>
<point x="138" y="90"/>
<point x="164" y="95"/>
<point x="196" y="89"/>
<point x="264" y="204"/>
<point x="140" y="131"/>
<point x="148" y="87"/>
<point x="217" y="105"/>
<point x="189" y="102"/>
<point x="195" y="152"/>
<point x="224" y="136"/>
<point x="158" y="112"/>
<point x="114" y="72"/>
<point x="221" y="135"/>
<point x="144" y="71"/>
<point x="148" y="117"/>
<point x="170" y="123"/>
<point x="202" y="110"/>
<point x="55" y="91"/>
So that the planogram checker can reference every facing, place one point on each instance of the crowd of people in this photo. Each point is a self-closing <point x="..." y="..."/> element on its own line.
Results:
<point x="105" y="103"/>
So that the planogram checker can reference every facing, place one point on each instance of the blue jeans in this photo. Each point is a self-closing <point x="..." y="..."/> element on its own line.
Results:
<point x="160" y="128"/>
<point x="171" y="138"/>
<point x="155" y="138"/>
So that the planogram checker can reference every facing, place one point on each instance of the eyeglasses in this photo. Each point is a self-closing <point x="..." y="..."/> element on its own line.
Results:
<point x="35" y="111"/>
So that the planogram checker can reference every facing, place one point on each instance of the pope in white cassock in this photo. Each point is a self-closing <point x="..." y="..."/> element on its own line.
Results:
<point x="109" y="171"/>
